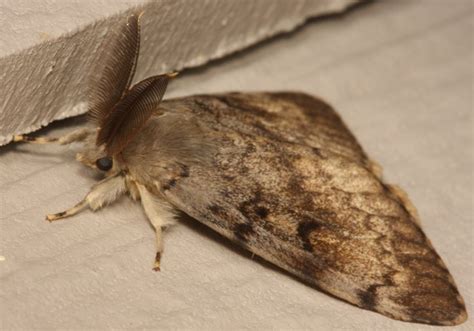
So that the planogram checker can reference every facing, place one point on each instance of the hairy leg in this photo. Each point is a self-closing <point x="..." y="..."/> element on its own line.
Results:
<point x="160" y="213"/>
<point x="103" y="193"/>
<point x="76" y="135"/>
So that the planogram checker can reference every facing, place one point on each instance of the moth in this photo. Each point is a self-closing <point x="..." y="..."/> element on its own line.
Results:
<point x="277" y="173"/>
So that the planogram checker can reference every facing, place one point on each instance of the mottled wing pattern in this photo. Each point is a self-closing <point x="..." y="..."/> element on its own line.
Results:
<point x="291" y="184"/>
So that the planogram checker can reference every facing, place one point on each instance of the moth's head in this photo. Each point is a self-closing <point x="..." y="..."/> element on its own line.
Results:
<point x="95" y="157"/>
<point x="121" y="124"/>
<point x="118" y="110"/>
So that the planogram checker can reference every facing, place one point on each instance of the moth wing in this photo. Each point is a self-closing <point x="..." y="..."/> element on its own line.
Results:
<point x="313" y="206"/>
<point x="116" y="68"/>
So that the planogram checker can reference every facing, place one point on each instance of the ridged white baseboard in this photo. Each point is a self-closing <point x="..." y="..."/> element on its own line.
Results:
<point x="47" y="48"/>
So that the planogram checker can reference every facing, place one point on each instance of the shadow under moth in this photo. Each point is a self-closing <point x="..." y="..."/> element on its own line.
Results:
<point x="277" y="173"/>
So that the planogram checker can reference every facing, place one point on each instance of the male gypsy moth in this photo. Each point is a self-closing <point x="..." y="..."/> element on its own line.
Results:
<point x="277" y="173"/>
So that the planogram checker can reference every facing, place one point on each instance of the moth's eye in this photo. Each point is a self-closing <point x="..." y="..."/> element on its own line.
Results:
<point x="104" y="163"/>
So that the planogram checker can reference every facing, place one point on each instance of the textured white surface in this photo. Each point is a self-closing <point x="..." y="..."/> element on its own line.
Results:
<point x="400" y="74"/>
<point x="44" y="81"/>
<point x="27" y="23"/>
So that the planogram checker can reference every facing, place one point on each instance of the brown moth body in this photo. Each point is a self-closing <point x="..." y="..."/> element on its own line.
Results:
<point x="277" y="173"/>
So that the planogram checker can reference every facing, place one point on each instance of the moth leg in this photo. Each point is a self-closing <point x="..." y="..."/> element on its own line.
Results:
<point x="76" y="135"/>
<point x="160" y="213"/>
<point x="159" y="248"/>
<point x="103" y="193"/>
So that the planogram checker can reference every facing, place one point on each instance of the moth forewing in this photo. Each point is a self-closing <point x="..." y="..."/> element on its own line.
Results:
<point x="308" y="202"/>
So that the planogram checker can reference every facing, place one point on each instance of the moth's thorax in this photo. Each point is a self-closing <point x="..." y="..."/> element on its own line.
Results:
<point x="165" y="148"/>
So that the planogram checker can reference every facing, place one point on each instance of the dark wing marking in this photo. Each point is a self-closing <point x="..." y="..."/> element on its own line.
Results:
<point x="130" y="114"/>
<point x="291" y="184"/>
<point x="116" y="69"/>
